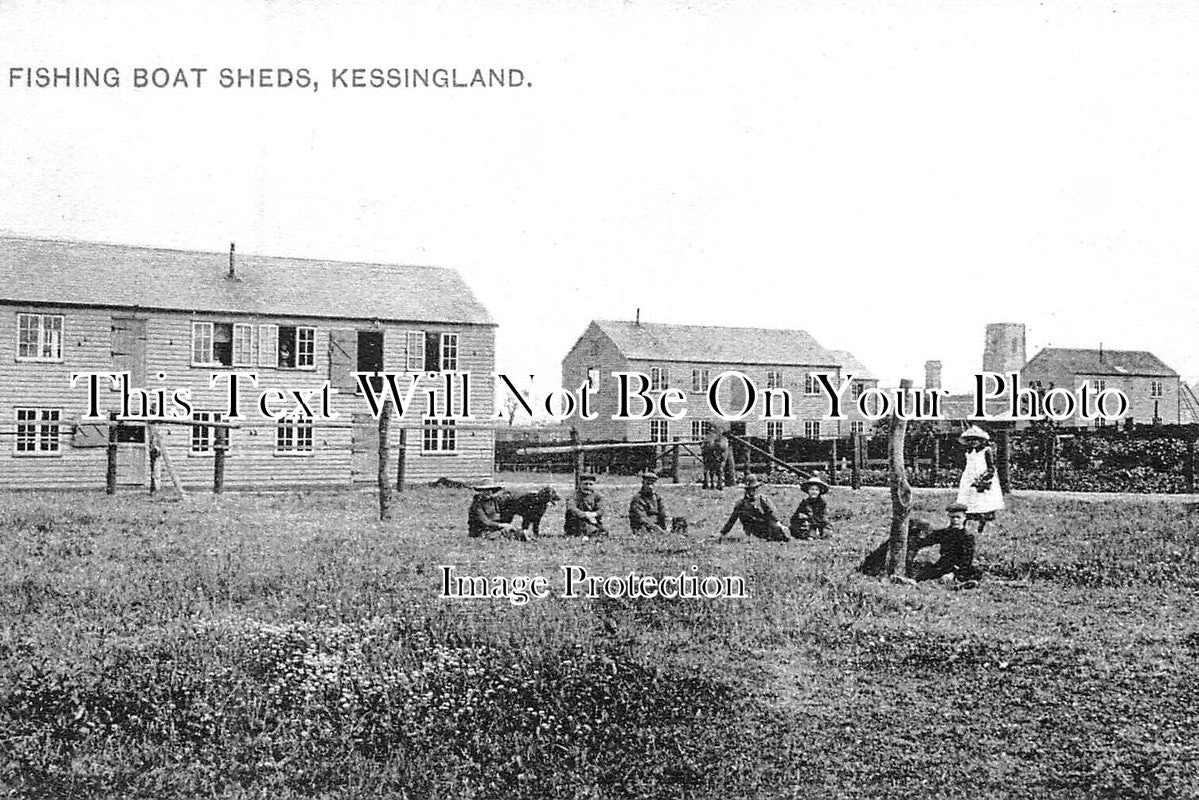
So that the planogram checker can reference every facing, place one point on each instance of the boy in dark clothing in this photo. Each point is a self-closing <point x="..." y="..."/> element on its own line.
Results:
<point x="756" y="514"/>
<point x="485" y="518"/>
<point x="647" y="509"/>
<point x="810" y="518"/>
<point x="957" y="551"/>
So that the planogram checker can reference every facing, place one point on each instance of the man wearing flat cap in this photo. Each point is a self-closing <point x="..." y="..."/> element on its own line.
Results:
<point x="757" y="514"/>
<point x="647" y="511"/>
<point x="484" y="518"/>
<point x="584" y="516"/>
<point x="957" y="550"/>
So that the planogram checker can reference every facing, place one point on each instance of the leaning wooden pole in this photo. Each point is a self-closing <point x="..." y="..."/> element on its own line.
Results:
<point x="901" y="494"/>
<point x="110" y="474"/>
<point x="384" y="465"/>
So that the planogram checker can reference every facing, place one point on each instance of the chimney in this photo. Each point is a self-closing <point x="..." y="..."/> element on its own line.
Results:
<point x="232" y="274"/>
<point x="1101" y="352"/>
<point x="932" y="374"/>
<point x="638" y="323"/>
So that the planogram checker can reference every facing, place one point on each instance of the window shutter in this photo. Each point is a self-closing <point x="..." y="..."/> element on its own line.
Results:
<point x="268" y="345"/>
<point x="343" y="359"/>
<point x="433" y="352"/>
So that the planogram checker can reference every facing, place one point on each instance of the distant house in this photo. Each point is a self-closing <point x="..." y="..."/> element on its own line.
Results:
<point x="173" y="318"/>
<point x="1153" y="389"/>
<point x="691" y="357"/>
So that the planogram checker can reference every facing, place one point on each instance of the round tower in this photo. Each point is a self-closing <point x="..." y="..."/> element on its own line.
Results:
<point x="1004" y="350"/>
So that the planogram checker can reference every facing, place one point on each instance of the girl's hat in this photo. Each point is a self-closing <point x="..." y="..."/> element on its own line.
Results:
<point x="815" y="480"/>
<point x="974" y="432"/>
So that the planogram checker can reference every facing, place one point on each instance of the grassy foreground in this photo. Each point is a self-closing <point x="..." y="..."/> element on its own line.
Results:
<point x="293" y="646"/>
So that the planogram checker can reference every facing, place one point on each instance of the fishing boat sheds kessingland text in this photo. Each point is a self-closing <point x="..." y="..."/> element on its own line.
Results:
<point x="68" y="307"/>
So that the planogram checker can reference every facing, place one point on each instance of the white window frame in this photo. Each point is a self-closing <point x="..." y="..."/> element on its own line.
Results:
<point x="245" y="332"/>
<point x="774" y="428"/>
<point x="1157" y="388"/>
<point x="203" y="440"/>
<point x="857" y="426"/>
<point x="295" y="436"/>
<point x="857" y="389"/>
<point x="268" y="345"/>
<point x="659" y="379"/>
<point x="303" y="348"/>
<point x="45" y="336"/>
<point x="449" y="352"/>
<point x="659" y="431"/>
<point x="811" y="385"/>
<point x="593" y="377"/>
<point x="700" y="428"/>
<point x="700" y="379"/>
<point x="414" y="356"/>
<point x="439" y="437"/>
<point x="811" y="429"/>
<point x="46" y="436"/>
<point x="774" y="379"/>
<point x="198" y="338"/>
<point x="1098" y="384"/>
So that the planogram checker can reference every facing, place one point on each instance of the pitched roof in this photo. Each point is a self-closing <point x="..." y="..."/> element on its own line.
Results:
<point x="1100" y="362"/>
<point x="851" y="365"/>
<point x="710" y="344"/>
<point x="84" y="273"/>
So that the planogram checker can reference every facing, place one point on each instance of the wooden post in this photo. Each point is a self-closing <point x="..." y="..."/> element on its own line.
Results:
<point x="901" y="495"/>
<point x="152" y="447"/>
<point x="165" y="455"/>
<point x="220" y="439"/>
<point x="578" y="457"/>
<point x="1003" y="462"/>
<point x="1051" y="461"/>
<point x="936" y="457"/>
<point x="110" y="475"/>
<point x="403" y="447"/>
<point x="832" y="465"/>
<point x="745" y="464"/>
<point x="855" y="478"/>
<point x="770" y="447"/>
<point x="674" y="462"/>
<point x="1191" y="465"/>
<point x="384" y="476"/>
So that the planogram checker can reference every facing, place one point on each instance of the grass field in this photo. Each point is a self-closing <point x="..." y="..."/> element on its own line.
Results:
<point x="293" y="646"/>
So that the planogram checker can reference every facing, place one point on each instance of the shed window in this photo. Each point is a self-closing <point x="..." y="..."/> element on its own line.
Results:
<point x="203" y="437"/>
<point x="243" y="345"/>
<point x="39" y="337"/>
<point x="297" y="347"/>
<point x="439" y="436"/>
<point x="449" y="352"/>
<point x="414" y="356"/>
<point x="293" y="435"/>
<point x="37" y="431"/>
<point x="268" y="345"/>
<point x="212" y="343"/>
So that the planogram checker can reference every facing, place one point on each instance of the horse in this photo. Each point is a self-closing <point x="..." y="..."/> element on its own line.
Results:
<point x="529" y="506"/>
<point x="713" y="451"/>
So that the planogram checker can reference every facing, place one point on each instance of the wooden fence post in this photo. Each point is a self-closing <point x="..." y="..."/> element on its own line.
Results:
<point x="855" y="478"/>
<point x="674" y="462"/>
<point x="110" y="474"/>
<point x="832" y="465"/>
<point x="152" y="447"/>
<point x="384" y="476"/>
<point x="578" y="456"/>
<point x="403" y="446"/>
<point x="901" y="495"/>
<point x="772" y="449"/>
<point x="220" y="439"/>
<point x="1004" y="460"/>
<point x="1191" y="465"/>
<point x="745" y="464"/>
<point x="1051" y="461"/>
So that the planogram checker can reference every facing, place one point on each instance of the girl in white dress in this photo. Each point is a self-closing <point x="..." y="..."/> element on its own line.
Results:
<point x="979" y="488"/>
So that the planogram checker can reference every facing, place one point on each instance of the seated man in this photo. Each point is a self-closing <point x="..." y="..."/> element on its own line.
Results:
<point x="485" y="518"/>
<point x="647" y="510"/>
<point x="756" y="514"/>
<point x="584" y="516"/>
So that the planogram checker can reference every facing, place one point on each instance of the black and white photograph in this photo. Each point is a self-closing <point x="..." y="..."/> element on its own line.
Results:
<point x="599" y="399"/>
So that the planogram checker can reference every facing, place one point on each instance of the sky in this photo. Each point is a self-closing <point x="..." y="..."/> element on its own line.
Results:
<point x="889" y="177"/>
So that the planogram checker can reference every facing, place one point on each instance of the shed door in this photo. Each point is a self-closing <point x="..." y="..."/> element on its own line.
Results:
<point x="129" y="348"/>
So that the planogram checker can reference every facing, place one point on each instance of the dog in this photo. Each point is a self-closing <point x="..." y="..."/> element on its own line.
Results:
<point x="529" y="506"/>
